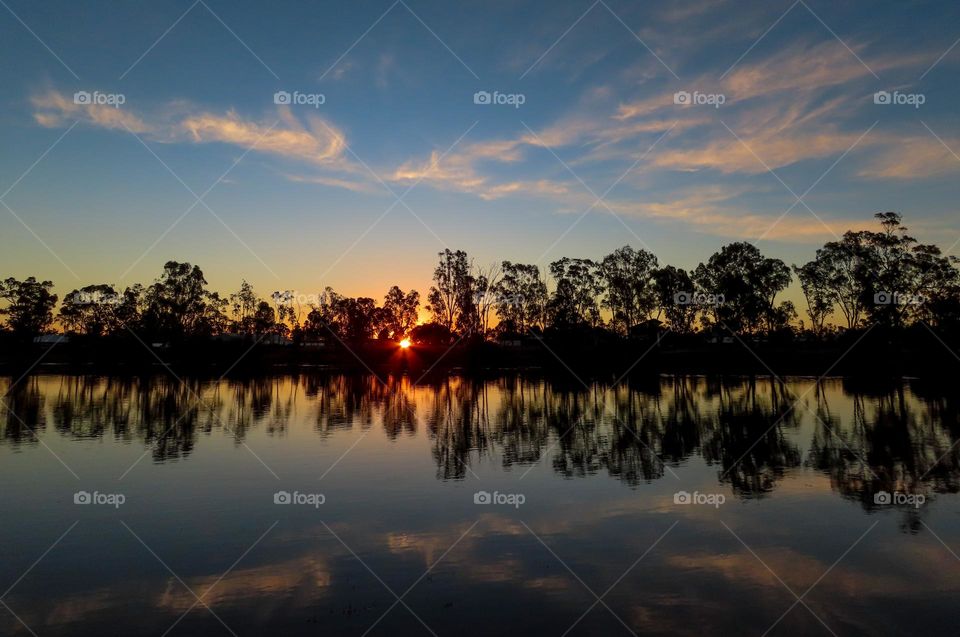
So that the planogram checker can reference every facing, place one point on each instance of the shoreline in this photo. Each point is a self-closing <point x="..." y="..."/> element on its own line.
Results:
<point x="854" y="357"/>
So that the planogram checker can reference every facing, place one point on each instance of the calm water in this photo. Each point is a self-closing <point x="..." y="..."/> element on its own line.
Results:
<point x="787" y="482"/>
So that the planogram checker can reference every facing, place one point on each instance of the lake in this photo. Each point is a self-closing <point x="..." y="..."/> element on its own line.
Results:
<point x="351" y="505"/>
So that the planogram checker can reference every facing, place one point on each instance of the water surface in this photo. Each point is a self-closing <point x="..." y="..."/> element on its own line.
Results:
<point x="592" y="534"/>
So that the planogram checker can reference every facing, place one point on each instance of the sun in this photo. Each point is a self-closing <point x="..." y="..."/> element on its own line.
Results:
<point x="405" y="343"/>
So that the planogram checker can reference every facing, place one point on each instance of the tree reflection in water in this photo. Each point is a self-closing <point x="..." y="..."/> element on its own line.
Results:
<point x="866" y="439"/>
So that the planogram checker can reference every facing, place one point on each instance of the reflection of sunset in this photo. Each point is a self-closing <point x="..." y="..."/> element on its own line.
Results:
<point x="404" y="459"/>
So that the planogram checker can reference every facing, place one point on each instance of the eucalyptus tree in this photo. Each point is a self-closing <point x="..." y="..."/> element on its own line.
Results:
<point x="814" y="278"/>
<point x="91" y="310"/>
<point x="451" y="298"/>
<point x="744" y="285"/>
<point x="674" y="291"/>
<point x="628" y="278"/>
<point x="178" y="304"/>
<point x="578" y="289"/>
<point x="521" y="297"/>
<point x="400" y="312"/>
<point x="30" y="304"/>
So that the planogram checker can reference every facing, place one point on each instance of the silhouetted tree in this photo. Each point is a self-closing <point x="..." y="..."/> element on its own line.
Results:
<point x="627" y="276"/>
<point x="30" y="304"/>
<point x="243" y="306"/>
<point x="431" y="334"/>
<point x="129" y="311"/>
<point x="400" y="312"/>
<point x="884" y="277"/>
<point x="91" y="310"/>
<point x="748" y="284"/>
<point x="674" y="287"/>
<point x="579" y="286"/>
<point x="287" y="317"/>
<point x="451" y="299"/>
<point x="521" y="297"/>
<point x="177" y="303"/>
<point x="485" y="281"/>
<point x="815" y="283"/>
<point x="357" y="318"/>
<point x="902" y="274"/>
<point x="264" y="319"/>
<point x="845" y="264"/>
<point x="322" y="319"/>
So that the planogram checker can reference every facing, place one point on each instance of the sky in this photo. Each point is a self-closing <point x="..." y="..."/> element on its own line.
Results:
<point x="299" y="145"/>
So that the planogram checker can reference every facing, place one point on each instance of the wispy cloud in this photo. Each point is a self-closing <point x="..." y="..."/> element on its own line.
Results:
<point x="310" y="140"/>
<point x="913" y="157"/>
<point x="461" y="171"/>
<point x="316" y="142"/>
<point x="55" y="110"/>
<point x="715" y="210"/>
<point x="361" y="186"/>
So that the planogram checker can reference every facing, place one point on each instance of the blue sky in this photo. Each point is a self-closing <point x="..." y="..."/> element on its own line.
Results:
<point x="301" y="197"/>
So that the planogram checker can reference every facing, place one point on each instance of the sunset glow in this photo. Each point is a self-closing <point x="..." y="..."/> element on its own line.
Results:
<point x="310" y="300"/>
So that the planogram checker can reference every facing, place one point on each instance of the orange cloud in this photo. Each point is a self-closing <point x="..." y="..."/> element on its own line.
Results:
<point x="56" y="110"/>
<point x="311" y="140"/>
<point x="318" y="144"/>
<point x="913" y="157"/>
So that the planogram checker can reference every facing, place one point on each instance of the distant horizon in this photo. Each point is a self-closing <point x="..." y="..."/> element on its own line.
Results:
<point x="310" y="297"/>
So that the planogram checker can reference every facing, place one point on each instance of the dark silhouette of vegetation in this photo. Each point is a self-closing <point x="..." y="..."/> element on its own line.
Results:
<point x="30" y="304"/>
<point x="867" y="279"/>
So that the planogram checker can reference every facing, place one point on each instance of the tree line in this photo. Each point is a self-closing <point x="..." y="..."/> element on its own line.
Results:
<point x="869" y="277"/>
